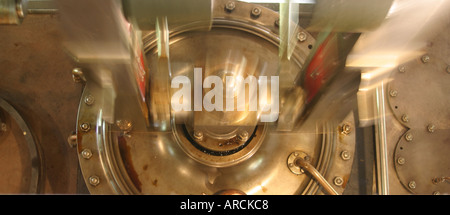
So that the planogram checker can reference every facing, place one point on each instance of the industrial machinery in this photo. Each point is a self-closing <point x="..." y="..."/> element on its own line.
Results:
<point x="205" y="97"/>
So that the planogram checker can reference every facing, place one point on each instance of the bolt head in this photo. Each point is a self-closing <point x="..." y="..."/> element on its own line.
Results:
<point x="412" y="184"/>
<point x="425" y="59"/>
<point x="89" y="100"/>
<point x="94" y="180"/>
<point x="85" y="127"/>
<point x="346" y="129"/>
<point x="405" y="118"/>
<point x="77" y="75"/>
<point x="86" y="154"/>
<point x="124" y="125"/>
<point x="409" y="137"/>
<point x="301" y="36"/>
<point x="198" y="135"/>
<point x="431" y="128"/>
<point x="243" y="136"/>
<point x="345" y="155"/>
<point x="401" y="160"/>
<point x="393" y="93"/>
<point x="3" y="127"/>
<point x="256" y="12"/>
<point x="402" y="69"/>
<point x="436" y="193"/>
<point x="338" y="181"/>
<point x="229" y="6"/>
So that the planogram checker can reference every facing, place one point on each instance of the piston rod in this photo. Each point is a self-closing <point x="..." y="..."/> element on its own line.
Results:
<point x="322" y="181"/>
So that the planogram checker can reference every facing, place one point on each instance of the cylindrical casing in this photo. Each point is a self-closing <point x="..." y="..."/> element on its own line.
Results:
<point x="143" y="13"/>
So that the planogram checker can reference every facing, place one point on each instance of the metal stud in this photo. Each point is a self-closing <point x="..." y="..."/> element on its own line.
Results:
<point x="402" y="69"/>
<point x="78" y="76"/>
<point x="86" y="154"/>
<point x="3" y="127"/>
<point x="89" y="100"/>
<point x="345" y="155"/>
<point x="401" y="160"/>
<point x="425" y="59"/>
<point x="405" y="118"/>
<point x="412" y="184"/>
<point x="230" y="6"/>
<point x="124" y="125"/>
<point x="256" y="12"/>
<point x="346" y="129"/>
<point x="243" y="136"/>
<point x="85" y="127"/>
<point x="301" y="36"/>
<point x="94" y="180"/>
<point x="431" y="128"/>
<point x="409" y="137"/>
<point x="338" y="181"/>
<point x="393" y="93"/>
<point x="198" y="135"/>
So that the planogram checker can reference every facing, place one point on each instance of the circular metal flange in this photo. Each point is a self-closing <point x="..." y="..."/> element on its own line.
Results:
<point x="152" y="162"/>
<point x="291" y="161"/>
<point x="12" y="124"/>
<point x="414" y="106"/>
<point x="421" y="160"/>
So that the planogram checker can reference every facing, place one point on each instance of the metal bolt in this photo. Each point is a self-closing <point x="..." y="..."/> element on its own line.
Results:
<point x="338" y="181"/>
<point x="256" y="12"/>
<point x="89" y="100"/>
<point x="3" y="127"/>
<point x="431" y="128"/>
<point x="425" y="59"/>
<point x="86" y="154"/>
<point x="243" y="136"/>
<point x="230" y="6"/>
<point x="124" y="125"/>
<point x="401" y="160"/>
<point x="393" y="93"/>
<point x="198" y="135"/>
<point x="346" y="129"/>
<point x="85" y="127"/>
<point x="77" y="75"/>
<point x="412" y="184"/>
<point x="436" y="193"/>
<point x="345" y="155"/>
<point x="409" y="137"/>
<point x="402" y="69"/>
<point x="405" y="118"/>
<point x="94" y="180"/>
<point x="301" y="36"/>
<point x="72" y="140"/>
<point x="291" y="165"/>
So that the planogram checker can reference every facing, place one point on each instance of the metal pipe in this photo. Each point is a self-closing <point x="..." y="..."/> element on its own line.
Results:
<point x="381" y="142"/>
<point x="322" y="181"/>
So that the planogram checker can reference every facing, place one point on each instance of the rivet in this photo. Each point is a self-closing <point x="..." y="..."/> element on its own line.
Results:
<point x="338" y="181"/>
<point x="94" y="180"/>
<point x="256" y="12"/>
<point x="89" y="100"/>
<point x="301" y="36"/>
<point x="124" y="125"/>
<point x="431" y="128"/>
<point x="86" y="154"/>
<point x="402" y="69"/>
<point x="405" y="118"/>
<point x="345" y="155"/>
<point x="85" y="127"/>
<point x="346" y="129"/>
<point x="412" y="184"/>
<point x="230" y="6"/>
<point x="243" y="136"/>
<point x="3" y="127"/>
<point x="77" y="75"/>
<point x="436" y="193"/>
<point x="401" y="160"/>
<point x="393" y="93"/>
<point x="425" y="59"/>
<point x="409" y="137"/>
<point x="198" y="135"/>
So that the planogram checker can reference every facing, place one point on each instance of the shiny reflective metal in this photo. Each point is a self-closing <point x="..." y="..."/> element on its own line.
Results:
<point x="78" y="76"/>
<point x="85" y="127"/>
<point x="72" y="140"/>
<point x="346" y="129"/>
<point x="425" y="59"/>
<point x="393" y="93"/>
<point x="301" y="36"/>
<point x="86" y="153"/>
<point x="94" y="180"/>
<point x="431" y="128"/>
<point x="292" y="161"/>
<point x="89" y="100"/>
<point x="345" y="155"/>
<point x="12" y="11"/>
<point x="138" y="164"/>
<point x="311" y="170"/>
<point x="338" y="181"/>
<point x="229" y="6"/>
<point x="256" y="12"/>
